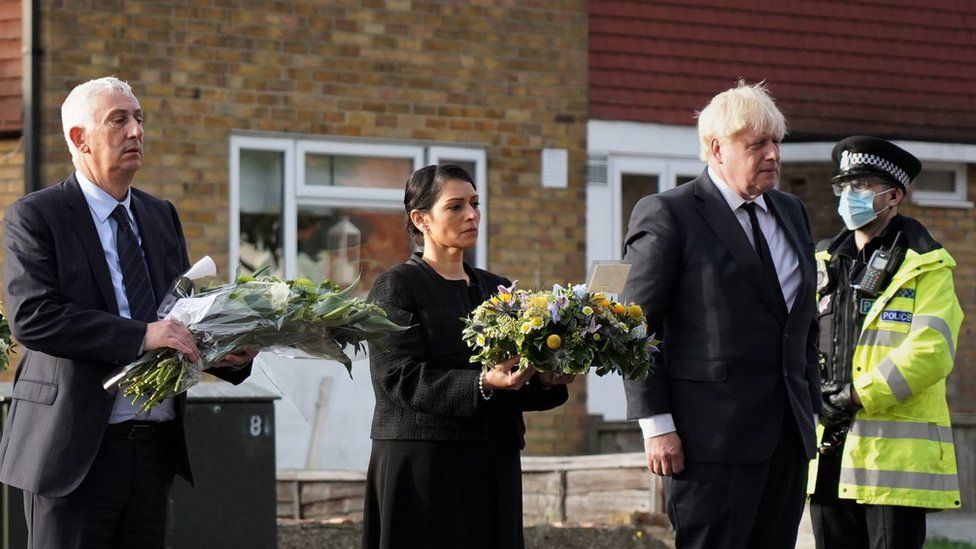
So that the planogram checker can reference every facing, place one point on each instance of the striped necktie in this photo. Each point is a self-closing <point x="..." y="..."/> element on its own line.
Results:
<point x="135" y="274"/>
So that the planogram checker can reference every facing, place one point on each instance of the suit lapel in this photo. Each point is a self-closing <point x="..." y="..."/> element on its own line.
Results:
<point x="720" y="218"/>
<point x="81" y="219"/>
<point x="149" y="232"/>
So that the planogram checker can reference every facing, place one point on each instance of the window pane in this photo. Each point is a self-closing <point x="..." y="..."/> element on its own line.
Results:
<point x="262" y="179"/>
<point x="942" y="181"/>
<point x="341" y="243"/>
<point x="633" y="187"/>
<point x="330" y="170"/>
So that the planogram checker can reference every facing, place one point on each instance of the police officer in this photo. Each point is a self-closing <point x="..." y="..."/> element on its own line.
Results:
<point x="889" y="321"/>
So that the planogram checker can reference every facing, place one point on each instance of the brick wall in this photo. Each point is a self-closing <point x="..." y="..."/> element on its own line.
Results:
<point x="11" y="64"/>
<point x="508" y="75"/>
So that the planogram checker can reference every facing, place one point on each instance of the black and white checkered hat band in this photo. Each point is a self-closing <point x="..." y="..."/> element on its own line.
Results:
<point x="851" y="160"/>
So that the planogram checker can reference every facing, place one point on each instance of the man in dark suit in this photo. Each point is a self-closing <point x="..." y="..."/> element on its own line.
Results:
<point x="723" y="267"/>
<point x="86" y="262"/>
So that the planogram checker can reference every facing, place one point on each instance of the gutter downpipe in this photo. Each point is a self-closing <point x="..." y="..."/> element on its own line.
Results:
<point x="32" y="52"/>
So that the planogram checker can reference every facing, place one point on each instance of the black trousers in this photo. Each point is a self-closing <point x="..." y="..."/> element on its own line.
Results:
<point x="738" y="506"/>
<point x="845" y="524"/>
<point x="122" y="502"/>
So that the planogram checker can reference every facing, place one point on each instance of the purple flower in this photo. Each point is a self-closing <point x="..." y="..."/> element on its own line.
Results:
<point x="593" y="326"/>
<point x="507" y="290"/>
<point x="554" y="312"/>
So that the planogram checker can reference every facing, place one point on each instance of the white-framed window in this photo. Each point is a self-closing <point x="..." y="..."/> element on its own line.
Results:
<point x="941" y="184"/>
<point x="330" y="208"/>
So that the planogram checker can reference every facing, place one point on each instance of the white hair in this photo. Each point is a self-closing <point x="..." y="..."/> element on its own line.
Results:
<point x="78" y="108"/>
<point x="740" y="108"/>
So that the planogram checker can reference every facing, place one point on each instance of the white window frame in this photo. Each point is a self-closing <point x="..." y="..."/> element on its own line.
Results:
<point x="289" y="230"/>
<point x="955" y="198"/>
<point x="296" y="193"/>
<point x="349" y="195"/>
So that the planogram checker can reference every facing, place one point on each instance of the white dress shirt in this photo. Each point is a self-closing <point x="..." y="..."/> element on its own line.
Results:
<point x="784" y="258"/>
<point x="101" y="205"/>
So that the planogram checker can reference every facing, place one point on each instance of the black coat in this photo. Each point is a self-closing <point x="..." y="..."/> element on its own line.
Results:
<point x="63" y="312"/>
<point x="732" y="359"/>
<point x="426" y="388"/>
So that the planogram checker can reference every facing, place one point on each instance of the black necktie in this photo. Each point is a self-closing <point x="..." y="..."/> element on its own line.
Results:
<point x="135" y="274"/>
<point x="762" y="248"/>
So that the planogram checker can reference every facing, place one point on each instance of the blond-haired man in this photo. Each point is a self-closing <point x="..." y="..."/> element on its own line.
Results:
<point x="723" y="266"/>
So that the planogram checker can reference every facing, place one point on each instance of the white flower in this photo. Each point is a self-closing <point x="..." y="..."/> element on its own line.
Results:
<point x="279" y="292"/>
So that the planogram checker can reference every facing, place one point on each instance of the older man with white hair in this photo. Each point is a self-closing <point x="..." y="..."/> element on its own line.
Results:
<point x="86" y="262"/>
<point x="723" y="267"/>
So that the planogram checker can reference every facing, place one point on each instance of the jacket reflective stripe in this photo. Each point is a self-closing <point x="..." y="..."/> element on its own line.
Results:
<point x="894" y="379"/>
<point x="901" y="429"/>
<point x="882" y="338"/>
<point x="937" y="324"/>
<point x="899" y="479"/>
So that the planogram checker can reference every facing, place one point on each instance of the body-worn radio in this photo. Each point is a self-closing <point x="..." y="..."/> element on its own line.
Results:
<point x="880" y="268"/>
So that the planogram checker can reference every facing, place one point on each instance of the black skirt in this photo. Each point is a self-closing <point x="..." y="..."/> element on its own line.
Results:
<point x="443" y="495"/>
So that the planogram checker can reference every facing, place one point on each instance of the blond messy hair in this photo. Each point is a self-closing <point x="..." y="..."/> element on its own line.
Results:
<point x="737" y="109"/>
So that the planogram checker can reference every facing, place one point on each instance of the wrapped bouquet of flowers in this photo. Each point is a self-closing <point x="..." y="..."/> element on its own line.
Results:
<point x="566" y="330"/>
<point x="6" y="341"/>
<point x="292" y="317"/>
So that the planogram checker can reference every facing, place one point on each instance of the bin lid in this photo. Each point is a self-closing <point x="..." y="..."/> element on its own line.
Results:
<point x="223" y="391"/>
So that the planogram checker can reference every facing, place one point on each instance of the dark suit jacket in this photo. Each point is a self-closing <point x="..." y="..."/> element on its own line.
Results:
<point x="731" y="358"/>
<point x="63" y="312"/>
<point x="426" y="388"/>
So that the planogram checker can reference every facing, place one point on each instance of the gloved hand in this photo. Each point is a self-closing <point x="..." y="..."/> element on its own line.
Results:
<point x="838" y="404"/>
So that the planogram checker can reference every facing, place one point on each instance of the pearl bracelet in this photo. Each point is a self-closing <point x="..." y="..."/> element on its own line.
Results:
<point x="481" y="387"/>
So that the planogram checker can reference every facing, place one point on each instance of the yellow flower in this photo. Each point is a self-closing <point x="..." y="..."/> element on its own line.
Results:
<point x="536" y="322"/>
<point x="596" y="337"/>
<point x="554" y="342"/>
<point x="587" y="310"/>
<point x="480" y="340"/>
<point x="525" y="328"/>
<point x="505" y="297"/>
<point x="635" y="311"/>
<point x="539" y="301"/>
<point x="618" y="309"/>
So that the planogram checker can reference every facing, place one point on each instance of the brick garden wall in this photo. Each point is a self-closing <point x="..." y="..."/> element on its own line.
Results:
<point x="507" y="75"/>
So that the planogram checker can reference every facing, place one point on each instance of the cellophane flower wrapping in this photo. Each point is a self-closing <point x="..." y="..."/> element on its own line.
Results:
<point x="264" y="313"/>
<point x="566" y="330"/>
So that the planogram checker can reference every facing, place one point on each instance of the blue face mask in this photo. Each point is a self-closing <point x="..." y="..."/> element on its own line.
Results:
<point x="856" y="208"/>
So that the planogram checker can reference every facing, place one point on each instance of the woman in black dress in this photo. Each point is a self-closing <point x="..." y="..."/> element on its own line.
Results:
<point x="444" y="470"/>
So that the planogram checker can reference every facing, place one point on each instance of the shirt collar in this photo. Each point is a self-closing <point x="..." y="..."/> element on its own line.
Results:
<point x="100" y="202"/>
<point x="731" y="197"/>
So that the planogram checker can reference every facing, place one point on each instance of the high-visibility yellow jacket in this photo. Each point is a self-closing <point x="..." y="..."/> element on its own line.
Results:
<point x="899" y="450"/>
